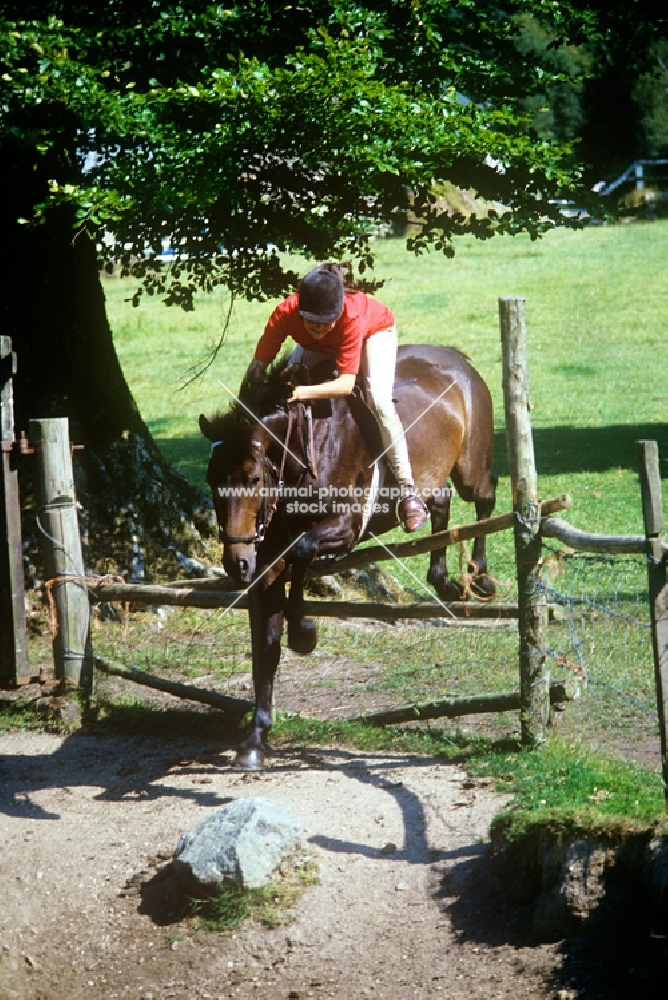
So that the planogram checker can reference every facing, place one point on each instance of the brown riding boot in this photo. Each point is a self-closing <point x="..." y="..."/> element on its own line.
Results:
<point x="412" y="512"/>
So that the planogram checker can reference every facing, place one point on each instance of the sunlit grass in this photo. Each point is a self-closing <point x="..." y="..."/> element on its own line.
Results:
<point x="597" y="312"/>
<point x="570" y="788"/>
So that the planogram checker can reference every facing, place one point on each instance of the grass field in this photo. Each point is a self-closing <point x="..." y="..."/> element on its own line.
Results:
<point x="597" y="307"/>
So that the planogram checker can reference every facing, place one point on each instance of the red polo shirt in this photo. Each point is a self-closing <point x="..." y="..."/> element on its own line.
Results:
<point x="362" y="316"/>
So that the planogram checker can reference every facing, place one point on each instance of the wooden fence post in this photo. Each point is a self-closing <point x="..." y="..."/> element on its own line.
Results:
<point x="59" y="529"/>
<point x="532" y="605"/>
<point x="13" y="647"/>
<point x="650" y="485"/>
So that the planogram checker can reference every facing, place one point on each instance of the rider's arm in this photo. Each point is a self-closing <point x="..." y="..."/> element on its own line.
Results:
<point x="341" y="386"/>
<point x="280" y="326"/>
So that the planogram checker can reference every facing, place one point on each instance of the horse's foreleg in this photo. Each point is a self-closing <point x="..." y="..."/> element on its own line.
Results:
<point x="302" y="632"/>
<point x="437" y="577"/>
<point x="327" y="537"/>
<point x="266" y="622"/>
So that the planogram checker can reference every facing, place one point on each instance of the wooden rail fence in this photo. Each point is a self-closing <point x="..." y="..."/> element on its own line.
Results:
<point x="530" y="520"/>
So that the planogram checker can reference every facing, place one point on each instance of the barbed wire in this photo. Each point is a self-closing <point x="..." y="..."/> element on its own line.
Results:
<point x="565" y="601"/>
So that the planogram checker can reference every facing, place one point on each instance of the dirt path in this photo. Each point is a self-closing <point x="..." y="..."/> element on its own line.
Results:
<point x="88" y="823"/>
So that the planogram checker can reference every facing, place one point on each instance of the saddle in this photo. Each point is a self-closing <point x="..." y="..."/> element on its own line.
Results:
<point x="360" y="410"/>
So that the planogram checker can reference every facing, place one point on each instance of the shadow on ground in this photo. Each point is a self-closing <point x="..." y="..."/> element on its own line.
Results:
<point x="560" y="449"/>
<point x="567" y="449"/>
<point x="126" y="755"/>
<point x="619" y="953"/>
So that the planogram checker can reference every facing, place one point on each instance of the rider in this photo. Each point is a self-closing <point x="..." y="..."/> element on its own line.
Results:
<point x="359" y="333"/>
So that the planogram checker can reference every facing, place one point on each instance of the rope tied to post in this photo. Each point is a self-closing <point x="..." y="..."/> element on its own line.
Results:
<point x="468" y="577"/>
<point x="82" y="581"/>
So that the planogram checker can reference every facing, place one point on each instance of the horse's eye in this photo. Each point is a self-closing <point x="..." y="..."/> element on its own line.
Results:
<point x="253" y="480"/>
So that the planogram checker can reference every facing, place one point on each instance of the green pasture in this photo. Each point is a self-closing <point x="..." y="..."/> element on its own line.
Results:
<point x="597" y="308"/>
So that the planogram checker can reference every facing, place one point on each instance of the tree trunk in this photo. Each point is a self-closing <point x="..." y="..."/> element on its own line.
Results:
<point x="53" y="308"/>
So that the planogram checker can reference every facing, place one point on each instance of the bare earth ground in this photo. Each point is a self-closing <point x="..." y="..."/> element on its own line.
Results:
<point x="408" y="903"/>
<point x="87" y="823"/>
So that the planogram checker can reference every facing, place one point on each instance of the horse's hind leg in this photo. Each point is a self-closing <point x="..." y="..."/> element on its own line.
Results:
<point x="447" y="589"/>
<point x="484" y="498"/>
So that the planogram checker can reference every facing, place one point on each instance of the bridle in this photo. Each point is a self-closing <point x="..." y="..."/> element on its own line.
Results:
<point x="272" y="486"/>
<point x="267" y="508"/>
<point x="273" y="475"/>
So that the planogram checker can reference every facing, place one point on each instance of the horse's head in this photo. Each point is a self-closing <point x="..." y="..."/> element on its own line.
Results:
<point x="241" y="477"/>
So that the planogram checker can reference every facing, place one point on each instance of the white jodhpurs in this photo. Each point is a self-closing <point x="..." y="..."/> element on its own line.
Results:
<point x="377" y="365"/>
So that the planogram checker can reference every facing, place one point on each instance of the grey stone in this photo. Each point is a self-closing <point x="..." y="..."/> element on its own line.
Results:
<point x="244" y="843"/>
<point x="58" y="707"/>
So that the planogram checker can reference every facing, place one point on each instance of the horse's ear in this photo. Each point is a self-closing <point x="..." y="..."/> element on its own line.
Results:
<point x="206" y="427"/>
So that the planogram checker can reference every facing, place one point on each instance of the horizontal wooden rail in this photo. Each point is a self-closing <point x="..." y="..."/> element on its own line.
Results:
<point x="585" y="541"/>
<point x="204" y="583"/>
<point x="158" y="594"/>
<point x="504" y="701"/>
<point x="501" y="701"/>
<point x="235" y="706"/>
<point x="426" y="543"/>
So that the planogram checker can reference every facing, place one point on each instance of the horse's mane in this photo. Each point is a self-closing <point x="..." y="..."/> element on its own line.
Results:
<point x="226" y="425"/>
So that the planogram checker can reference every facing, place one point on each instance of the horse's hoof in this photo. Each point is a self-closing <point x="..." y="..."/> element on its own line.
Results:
<point x="303" y="637"/>
<point x="449" y="590"/>
<point x="483" y="586"/>
<point x="250" y="759"/>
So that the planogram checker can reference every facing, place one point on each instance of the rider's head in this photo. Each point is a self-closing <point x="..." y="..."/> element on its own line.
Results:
<point x="321" y="296"/>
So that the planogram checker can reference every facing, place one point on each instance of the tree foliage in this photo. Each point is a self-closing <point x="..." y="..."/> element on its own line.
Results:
<point x="238" y="133"/>
<point x="650" y="91"/>
<point x="241" y="132"/>
<point x="621" y="100"/>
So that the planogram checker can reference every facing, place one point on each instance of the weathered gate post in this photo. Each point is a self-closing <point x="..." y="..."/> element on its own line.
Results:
<point x="650" y="484"/>
<point x="61" y="544"/>
<point x="13" y="648"/>
<point x="532" y="606"/>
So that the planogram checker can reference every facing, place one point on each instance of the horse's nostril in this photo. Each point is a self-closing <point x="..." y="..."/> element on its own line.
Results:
<point x="244" y="569"/>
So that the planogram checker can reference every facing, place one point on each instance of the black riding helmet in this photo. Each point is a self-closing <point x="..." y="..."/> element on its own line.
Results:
<point x="321" y="296"/>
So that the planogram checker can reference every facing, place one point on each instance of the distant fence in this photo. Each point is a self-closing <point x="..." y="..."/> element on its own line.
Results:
<point x="641" y="174"/>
